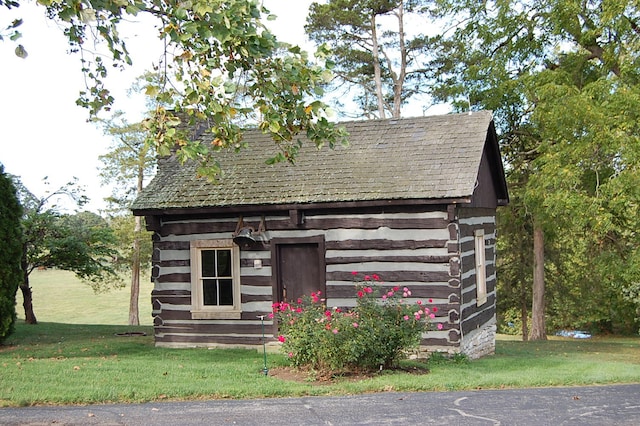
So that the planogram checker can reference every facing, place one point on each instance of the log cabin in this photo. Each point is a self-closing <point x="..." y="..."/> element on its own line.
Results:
<point x="412" y="200"/>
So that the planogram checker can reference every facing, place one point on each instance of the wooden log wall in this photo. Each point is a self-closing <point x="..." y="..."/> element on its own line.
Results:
<point x="477" y="317"/>
<point x="419" y="250"/>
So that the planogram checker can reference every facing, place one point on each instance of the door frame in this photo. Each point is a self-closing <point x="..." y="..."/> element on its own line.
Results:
<point x="275" y="260"/>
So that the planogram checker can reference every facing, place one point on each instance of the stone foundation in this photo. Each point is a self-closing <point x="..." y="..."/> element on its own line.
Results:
<point x="480" y="342"/>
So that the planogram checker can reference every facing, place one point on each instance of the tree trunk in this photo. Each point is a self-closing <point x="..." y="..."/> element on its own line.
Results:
<point x="134" y="314"/>
<point x="524" y="313"/>
<point x="525" y="291"/>
<point x="377" y="72"/>
<point x="398" y="80"/>
<point x="134" y="317"/>
<point x="27" y="295"/>
<point x="537" y="310"/>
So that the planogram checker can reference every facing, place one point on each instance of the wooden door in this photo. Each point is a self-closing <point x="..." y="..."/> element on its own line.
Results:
<point x="299" y="268"/>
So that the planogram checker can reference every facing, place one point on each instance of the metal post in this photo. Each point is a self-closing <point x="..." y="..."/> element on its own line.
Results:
<point x="265" y="370"/>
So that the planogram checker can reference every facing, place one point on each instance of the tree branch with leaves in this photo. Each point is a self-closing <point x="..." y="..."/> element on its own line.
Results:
<point x="215" y="49"/>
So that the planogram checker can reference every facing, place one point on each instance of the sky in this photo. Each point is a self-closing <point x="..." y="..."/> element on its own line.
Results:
<point x="43" y="133"/>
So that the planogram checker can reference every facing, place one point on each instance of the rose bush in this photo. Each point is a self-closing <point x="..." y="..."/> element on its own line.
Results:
<point x="374" y="334"/>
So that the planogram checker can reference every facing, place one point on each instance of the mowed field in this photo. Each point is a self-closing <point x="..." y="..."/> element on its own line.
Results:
<point x="58" y="296"/>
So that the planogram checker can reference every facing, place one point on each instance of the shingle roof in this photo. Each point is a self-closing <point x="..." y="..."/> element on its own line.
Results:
<point x="434" y="157"/>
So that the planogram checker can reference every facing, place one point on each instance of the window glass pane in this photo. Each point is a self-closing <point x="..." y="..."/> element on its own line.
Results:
<point x="208" y="263"/>
<point x="224" y="263"/>
<point x="214" y="278"/>
<point x="209" y="292"/>
<point x="226" y="292"/>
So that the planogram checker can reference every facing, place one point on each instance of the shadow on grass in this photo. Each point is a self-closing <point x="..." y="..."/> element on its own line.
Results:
<point x="60" y="340"/>
<point x="53" y="332"/>
<point x="50" y="339"/>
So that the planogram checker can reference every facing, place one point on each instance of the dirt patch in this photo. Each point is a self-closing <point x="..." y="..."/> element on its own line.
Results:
<point x="291" y="374"/>
<point x="307" y="375"/>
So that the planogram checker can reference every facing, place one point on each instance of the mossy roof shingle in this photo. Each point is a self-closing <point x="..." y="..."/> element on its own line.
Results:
<point x="434" y="157"/>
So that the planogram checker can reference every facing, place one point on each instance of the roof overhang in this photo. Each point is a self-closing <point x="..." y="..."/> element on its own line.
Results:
<point x="275" y="208"/>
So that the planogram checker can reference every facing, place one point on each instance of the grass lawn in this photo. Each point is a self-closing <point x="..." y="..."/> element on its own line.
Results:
<point x="69" y="360"/>
<point x="58" y="296"/>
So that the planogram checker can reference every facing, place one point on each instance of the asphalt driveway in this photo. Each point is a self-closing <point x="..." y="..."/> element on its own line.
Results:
<point x="598" y="405"/>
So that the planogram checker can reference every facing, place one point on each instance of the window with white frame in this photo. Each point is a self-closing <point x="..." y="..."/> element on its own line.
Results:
<point x="215" y="279"/>
<point x="481" y="268"/>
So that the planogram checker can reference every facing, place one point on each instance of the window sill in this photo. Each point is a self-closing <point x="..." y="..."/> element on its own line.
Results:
<point x="216" y="315"/>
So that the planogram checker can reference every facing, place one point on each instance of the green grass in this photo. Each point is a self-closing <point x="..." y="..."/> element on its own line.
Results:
<point x="556" y="362"/>
<point x="58" y="296"/>
<point x="59" y="362"/>
<point x="54" y="363"/>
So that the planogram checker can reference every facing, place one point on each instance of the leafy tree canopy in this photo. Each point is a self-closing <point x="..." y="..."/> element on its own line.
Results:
<point x="563" y="80"/>
<point x="81" y="242"/>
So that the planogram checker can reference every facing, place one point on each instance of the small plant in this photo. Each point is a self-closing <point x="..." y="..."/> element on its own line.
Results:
<point x="373" y="335"/>
<point x="439" y="358"/>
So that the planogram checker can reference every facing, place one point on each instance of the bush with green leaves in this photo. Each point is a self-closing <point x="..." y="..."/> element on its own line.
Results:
<point x="510" y="322"/>
<point x="375" y="334"/>
<point x="10" y="253"/>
